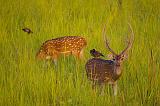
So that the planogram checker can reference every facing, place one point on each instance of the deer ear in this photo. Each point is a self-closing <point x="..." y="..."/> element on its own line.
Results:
<point x="110" y="56"/>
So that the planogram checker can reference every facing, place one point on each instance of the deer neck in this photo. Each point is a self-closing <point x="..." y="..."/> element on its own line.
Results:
<point x="117" y="70"/>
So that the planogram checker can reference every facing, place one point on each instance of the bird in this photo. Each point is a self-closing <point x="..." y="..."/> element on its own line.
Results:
<point x="27" y="30"/>
<point x="95" y="53"/>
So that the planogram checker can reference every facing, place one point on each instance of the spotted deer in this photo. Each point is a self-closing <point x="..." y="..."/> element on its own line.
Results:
<point x="51" y="49"/>
<point x="102" y="71"/>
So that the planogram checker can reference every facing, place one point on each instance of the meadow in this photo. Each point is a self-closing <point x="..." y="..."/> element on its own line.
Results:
<point x="25" y="81"/>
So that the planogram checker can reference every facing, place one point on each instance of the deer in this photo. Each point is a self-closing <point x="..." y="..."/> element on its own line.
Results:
<point x="108" y="71"/>
<point x="52" y="49"/>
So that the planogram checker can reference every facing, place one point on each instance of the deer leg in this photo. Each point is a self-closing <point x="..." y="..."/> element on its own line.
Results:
<point x="55" y="61"/>
<point x="94" y="88"/>
<point x="76" y="54"/>
<point x="94" y="85"/>
<point x="114" y="87"/>
<point x="102" y="86"/>
<point x="54" y="58"/>
<point x="45" y="65"/>
<point x="81" y="54"/>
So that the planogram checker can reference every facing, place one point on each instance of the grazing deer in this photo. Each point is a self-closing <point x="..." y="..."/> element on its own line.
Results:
<point x="102" y="71"/>
<point x="51" y="49"/>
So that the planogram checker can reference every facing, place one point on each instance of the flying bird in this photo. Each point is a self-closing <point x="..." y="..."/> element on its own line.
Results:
<point x="27" y="30"/>
<point x="95" y="53"/>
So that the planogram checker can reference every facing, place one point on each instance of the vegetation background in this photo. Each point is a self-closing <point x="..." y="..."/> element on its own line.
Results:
<point x="24" y="81"/>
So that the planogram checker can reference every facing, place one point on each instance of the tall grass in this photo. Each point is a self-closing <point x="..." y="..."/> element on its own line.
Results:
<point x="25" y="81"/>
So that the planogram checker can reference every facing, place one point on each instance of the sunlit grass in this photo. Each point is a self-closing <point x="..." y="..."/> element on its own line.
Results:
<point x="26" y="81"/>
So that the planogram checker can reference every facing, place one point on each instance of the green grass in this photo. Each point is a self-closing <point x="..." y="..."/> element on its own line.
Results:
<point x="27" y="82"/>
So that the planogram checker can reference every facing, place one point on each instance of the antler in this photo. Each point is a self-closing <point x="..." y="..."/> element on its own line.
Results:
<point x="106" y="41"/>
<point x="130" y="41"/>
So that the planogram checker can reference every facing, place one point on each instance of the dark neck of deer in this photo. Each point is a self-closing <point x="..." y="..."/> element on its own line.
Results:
<point x="117" y="69"/>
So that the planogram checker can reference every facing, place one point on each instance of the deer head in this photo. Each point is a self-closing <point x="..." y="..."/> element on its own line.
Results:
<point x="118" y="58"/>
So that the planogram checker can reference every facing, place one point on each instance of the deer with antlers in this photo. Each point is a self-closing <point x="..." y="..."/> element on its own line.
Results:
<point x="51" y="49"/>
<point x="102" y="71"/>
